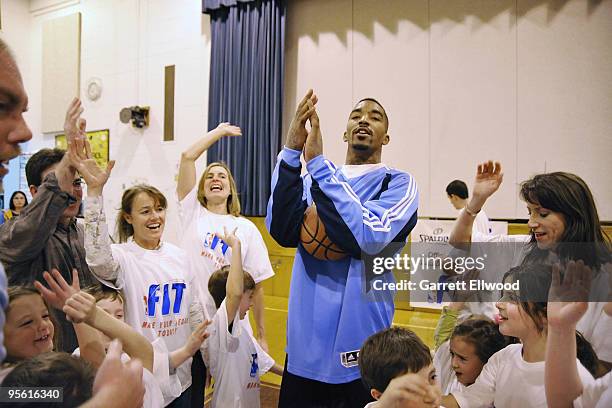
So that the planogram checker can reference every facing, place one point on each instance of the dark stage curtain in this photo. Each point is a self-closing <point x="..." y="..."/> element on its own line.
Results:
<point x="246" y="89"/>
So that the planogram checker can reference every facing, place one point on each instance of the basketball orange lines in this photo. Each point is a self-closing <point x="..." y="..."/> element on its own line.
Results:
<point x="315" y="240"/>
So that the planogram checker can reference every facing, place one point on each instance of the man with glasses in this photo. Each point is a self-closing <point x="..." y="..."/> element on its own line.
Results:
<point x="46" y="235"/>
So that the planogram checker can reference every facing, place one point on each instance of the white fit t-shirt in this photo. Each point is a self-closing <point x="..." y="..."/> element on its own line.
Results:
<point x="208" y="253"/>
<point x="158" y="288"/>
<point x="235" y="361"/>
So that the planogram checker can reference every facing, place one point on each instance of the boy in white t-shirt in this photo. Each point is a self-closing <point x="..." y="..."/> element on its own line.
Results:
<point x="398" y="369"/>
<point x="234" y="358"/>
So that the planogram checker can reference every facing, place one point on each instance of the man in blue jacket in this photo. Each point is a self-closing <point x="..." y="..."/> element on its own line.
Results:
<point x="365" y="206"/>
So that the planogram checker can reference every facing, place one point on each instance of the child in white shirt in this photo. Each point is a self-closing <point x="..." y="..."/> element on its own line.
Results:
<point x="464" y="348"/>
<point x="234" y="358"/>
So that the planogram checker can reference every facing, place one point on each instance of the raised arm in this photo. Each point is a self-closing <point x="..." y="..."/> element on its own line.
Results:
<point x="489" y="177"/>
<point x="187" y="168"/>
<point x="235" y="280"/>
<point x="447" y="322"/>
<point x="97" y="240"/>
<point x="25" y="237"/>
<point x="81" y="307"/>
<point x="563" y="384"/>
<point x="287" y="204"/>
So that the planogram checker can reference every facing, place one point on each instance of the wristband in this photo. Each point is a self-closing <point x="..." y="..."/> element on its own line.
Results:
<point x="470" y="212"/>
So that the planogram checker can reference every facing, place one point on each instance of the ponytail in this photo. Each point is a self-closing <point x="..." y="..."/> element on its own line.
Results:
<point x="586" y="355"/>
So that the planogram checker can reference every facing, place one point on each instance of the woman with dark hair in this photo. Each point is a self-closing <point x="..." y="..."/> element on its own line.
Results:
<point x="16" y="204"/>
<point x="564" y="225"/>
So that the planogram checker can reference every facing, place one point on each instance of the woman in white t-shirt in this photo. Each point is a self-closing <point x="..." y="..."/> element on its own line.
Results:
<point x="155" y="276"/>
<point x="564" y="225"/>
<point x="208" y="208"/>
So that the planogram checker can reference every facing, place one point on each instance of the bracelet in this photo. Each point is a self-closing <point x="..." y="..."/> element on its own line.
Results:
<point x="470" y="212"/>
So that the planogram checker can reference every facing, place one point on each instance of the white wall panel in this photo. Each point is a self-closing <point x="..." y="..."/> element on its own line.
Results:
<point x="61" y="46"/>
<point x="473" y="96"/>
<point x="526" y="83"/>
<point x="318" y="56"/>
<point x="565" y="93"/>
<point x="391" y="64"/>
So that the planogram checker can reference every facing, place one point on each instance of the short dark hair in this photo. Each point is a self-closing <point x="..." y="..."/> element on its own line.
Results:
<point x="74" y="375"/>
<point x="384" y="111"/>
<point x="11" y="205"/>
<point x="218" y="280"/>
<point x="41" y="161"/>
<point x="458" y="188"/>
<point x="389" y="354"/>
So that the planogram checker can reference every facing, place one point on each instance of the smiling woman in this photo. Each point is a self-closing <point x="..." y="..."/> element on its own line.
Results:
<point x="204" y="212"/>
<point x="142" y="215"/>
<point x="564" y="225"/>
<point x="145" y="268"/>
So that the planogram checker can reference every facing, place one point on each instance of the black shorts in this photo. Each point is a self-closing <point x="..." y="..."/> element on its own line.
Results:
<point x="300" y="392"/>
